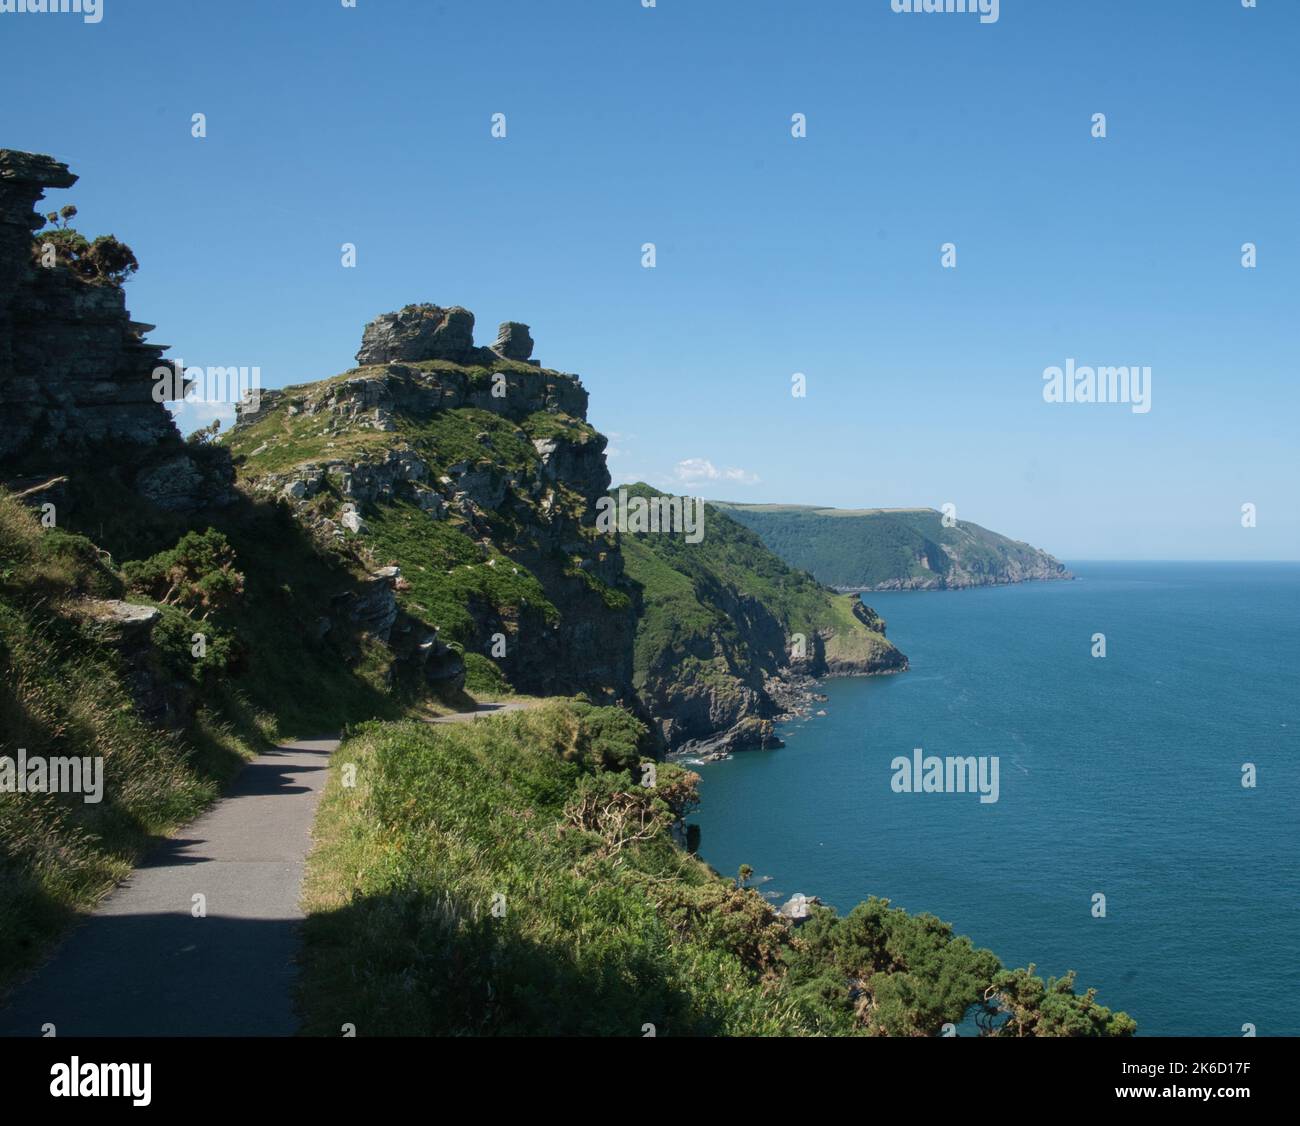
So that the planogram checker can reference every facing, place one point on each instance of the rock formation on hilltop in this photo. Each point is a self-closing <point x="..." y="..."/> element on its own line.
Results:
<point x="477" y="473"/>
<point x="430" y="332"/>
<point x="513" y="341"/>
<point x="480" y="478"/>
<point x="419" y="332"/>
<point x="84" y="431"/>
<point x="426" y="516"/>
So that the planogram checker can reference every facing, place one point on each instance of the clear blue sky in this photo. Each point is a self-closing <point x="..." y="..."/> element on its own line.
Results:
<point x="672" y="125"/>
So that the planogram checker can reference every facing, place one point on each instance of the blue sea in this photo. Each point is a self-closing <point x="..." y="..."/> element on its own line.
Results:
<point x="1120" y="775"/>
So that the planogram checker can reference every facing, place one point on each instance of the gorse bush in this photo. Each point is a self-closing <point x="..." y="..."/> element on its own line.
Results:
<point x="220" y="653"/>
<point x="1033" y="1008"/>
<point x="106" y="260"/>
<point x="198" y="574"/>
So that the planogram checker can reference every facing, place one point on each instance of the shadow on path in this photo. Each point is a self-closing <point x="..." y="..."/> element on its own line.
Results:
<point x="143" y="964"/>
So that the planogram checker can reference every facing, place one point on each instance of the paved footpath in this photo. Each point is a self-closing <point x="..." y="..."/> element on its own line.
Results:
<point x="485" y="710"/>
<point x="143" y="965"/>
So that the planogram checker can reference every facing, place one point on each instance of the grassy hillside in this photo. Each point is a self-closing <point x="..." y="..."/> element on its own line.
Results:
<point x="676" y="576"/>
<point x="513" y="877"/>
<point x="716" y="618"/>
<point x="880" y="549"/>
<point x="302" y="683"/>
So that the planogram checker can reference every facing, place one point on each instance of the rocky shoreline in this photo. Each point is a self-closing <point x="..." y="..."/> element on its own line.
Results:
<point x="796" y="694"/>
<point x="960" y="582"/>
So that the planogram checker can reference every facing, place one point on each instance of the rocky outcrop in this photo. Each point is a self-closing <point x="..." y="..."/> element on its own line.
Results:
<point x="24" y="177"/>
<point x="76" y="374"/>
<point x="419" y="332"/>
<point x="373" y="607"/>
<point x="798" y="908"/>
<point x="420" y="654"/>
<point x="513" y="341"/>
<point x="161" y="697"/>
<point x="870" y="660"/>
<point x="74" y="367"/>
<point x="710" y="712"/>
<point x="521" y="491"/>
<point x="748" y="734"/>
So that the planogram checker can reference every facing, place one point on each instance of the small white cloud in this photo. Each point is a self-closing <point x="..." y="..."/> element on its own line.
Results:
<point x="190" y="415"/>
<point x="693" y="470"/>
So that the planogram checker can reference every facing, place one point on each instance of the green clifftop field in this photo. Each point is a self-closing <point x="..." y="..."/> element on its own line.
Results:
<point x="892" y="548"/>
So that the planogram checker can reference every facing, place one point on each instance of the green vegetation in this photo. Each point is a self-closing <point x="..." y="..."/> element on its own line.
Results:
<point x="511" y="877"/>
<point x="514" y="877"/>
<point x="302" y="683"/>
<point x="862" y="549"/>
<point x="450" y="577"/>
<point x="198" y="574"/>
<point x="484" y="678"/>
<point x="690" y="594"/>
<point x="280" y="440"/>
<point x="106" y="260"/>
<point x="255" y="590"/>
<point x="277" y="440"/>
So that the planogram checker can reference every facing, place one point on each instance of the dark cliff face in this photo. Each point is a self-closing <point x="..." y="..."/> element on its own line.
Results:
<point x="74" y="370"/>
<point x="710" y="681"/>
<point x="475" y="472"/>
<point x="76" y="376"/>
<point x="23" y="180"/>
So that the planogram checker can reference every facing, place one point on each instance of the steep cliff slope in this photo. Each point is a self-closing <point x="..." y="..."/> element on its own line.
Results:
<point x="893" y="548"/>
<point x="728" y="635"/>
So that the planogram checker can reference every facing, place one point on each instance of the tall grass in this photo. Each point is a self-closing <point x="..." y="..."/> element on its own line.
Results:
<point x="588" y="938"/>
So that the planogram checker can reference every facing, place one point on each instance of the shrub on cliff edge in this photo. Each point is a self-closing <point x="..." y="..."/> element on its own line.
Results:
<point x="106" y="260"/>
